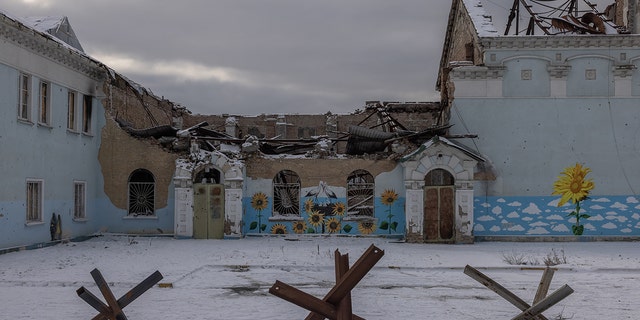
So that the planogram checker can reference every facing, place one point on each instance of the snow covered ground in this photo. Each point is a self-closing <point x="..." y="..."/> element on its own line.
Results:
<point x="230" y="279"/>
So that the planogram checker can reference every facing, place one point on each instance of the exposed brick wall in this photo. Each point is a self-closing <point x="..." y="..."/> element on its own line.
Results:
<point x="137" y="106"/>
<point x="311" y="171"/>
<point x="120" y="154"/>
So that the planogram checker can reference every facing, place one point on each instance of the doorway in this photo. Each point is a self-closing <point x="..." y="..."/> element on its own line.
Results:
<point x="439" y="206"/>
<point x="208" y="211"/>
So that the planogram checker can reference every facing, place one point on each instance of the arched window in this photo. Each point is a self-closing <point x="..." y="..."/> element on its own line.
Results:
<point x="438" y="177"/>
<point x="208" y="175"/>
<point x="360" y="189"/>
<point x="142" y="186"/>
<point x="286" y="193"/>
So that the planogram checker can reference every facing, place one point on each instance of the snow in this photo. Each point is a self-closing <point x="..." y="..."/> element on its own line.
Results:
<point x="230" y="279"/>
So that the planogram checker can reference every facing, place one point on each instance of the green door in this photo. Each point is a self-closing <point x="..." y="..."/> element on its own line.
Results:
<point x="208" y="211"/>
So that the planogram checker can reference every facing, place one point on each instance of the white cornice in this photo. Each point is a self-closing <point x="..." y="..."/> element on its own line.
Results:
<point x="45" y="46"/>
<point x="561" y="42"/>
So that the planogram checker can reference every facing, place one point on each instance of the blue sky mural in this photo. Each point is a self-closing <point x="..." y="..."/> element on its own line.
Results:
<point x="541" y="216"/>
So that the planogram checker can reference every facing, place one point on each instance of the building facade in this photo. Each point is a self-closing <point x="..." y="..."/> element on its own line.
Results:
<point x="538" y="104"/>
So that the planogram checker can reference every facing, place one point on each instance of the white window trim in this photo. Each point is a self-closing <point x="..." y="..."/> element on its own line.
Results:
<point x="88" y="128"/>
<point x="40" y="202"/>
<point x="47" y="104"/>
<point x="21" y="98"/>
<point x="72" y="127"/>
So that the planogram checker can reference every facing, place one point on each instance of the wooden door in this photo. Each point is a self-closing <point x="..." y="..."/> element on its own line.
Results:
<point x="208" y="211"/>
<point x="439" y="213"/>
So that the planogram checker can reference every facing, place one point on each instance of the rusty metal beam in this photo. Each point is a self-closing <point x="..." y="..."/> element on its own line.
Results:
<point x="499" y="289"/>
<point x="303" y="299"/>
<point x="138" y="290"/>
<point x="351" y="278"/>
<point x="360" y="268"/>
<point x="544" y="304"/>
<point x="93" y="301"/>
<point x="116" y="310"/>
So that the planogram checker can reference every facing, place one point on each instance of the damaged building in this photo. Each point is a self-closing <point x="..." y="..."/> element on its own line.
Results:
<point x="523" y="95"/>
<point x="557" y="87"/>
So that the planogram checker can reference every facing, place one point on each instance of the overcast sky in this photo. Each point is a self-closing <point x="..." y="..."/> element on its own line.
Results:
<point x="266" y="56"/>
<point x="262" y="56"/>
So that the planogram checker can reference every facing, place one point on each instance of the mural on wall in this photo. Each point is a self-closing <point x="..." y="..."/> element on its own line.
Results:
<point x="541" y="216"/>
<point x="387" y="198"/>
<point x="573" y="186"/>
<point x="323" y="211"/>
<point x="259" y="202"/>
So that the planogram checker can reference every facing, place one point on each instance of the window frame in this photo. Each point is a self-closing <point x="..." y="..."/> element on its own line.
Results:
<point x="44" y="103"/>
<point x="34" y="201"/>
<point x="361" y="192"/>
<point x="72" y="106"/>
<point x="24" y="97"/>
<point x="87" y="114"/>
<point x="286" y="185"/>
<point x="137" y="189"/>
<point x="79" y="200"/>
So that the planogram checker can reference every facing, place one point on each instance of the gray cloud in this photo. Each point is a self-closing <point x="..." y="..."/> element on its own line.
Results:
<point x="257" y="56"/>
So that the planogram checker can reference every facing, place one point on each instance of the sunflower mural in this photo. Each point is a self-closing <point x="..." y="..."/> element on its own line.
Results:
<point x="573" y="186"/>
<point x="338" y="211"/>
<point x="315" y="219"/>
<point x="367" y="227"/>
<point x="299" y="227"/>
<point x="333" y="225"/>
<point x="388" y="198"/>
<point x="259" y="202"/>
<point x="308" y="205"/>
<point x="279" y="229"/>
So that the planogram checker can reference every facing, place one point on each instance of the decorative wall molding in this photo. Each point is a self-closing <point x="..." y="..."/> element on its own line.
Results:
<point x="44" y="45"/>
<point x="561" y="42"/>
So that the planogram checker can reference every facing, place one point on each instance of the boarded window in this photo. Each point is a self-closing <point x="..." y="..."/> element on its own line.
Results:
<point x="286" y="193"/>
<point x="360" y="189"/>
<point x="141" y="193"/>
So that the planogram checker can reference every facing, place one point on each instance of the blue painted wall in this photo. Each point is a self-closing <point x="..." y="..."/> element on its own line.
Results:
<point x="389" y="219"/>
<point x="541" y="216"/>
<point x="51" y="153"/>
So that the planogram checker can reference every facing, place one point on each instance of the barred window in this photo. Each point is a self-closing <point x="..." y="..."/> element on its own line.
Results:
<point x="34" y="200"/>
<point x="360" y="193"/>
<point x="79" y="200"/>
<point x="286" y="193"/>
<point x="141" y="193"/>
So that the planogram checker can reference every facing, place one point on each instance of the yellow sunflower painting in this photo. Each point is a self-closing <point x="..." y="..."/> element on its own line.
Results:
<point x="316" y="218"/>
<point x="388" y="197"/>
<point x="366" y="227"/>
<point x="339" y="208"/>
<point x="299" y="227"/>
<point x="333" y="225"/>
<point x="278" y="229"/>
<point x="572" y="184"/>
<point x="308" y="205"/>
<point x="259" y="201"/>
